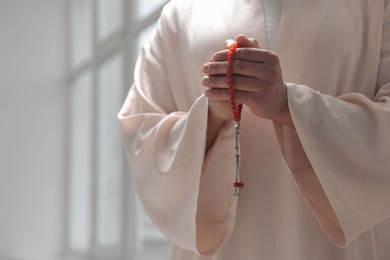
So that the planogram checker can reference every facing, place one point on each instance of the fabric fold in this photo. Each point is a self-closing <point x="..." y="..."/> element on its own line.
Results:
<point x="337" y="161"/>
<point x="168" y="169"/>
<point x="184" y="192"/>
<point x="339" y="153"/>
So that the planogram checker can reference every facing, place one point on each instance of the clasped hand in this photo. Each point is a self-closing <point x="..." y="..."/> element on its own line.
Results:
<point x="257" y="78"/>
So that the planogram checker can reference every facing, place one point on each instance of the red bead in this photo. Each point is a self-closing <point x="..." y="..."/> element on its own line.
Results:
<point x="239" y="184"/>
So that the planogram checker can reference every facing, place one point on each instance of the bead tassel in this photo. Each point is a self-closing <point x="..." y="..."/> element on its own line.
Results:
<point x="236" y="110"/>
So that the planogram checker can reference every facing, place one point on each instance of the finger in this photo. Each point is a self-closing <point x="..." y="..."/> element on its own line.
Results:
<point x="248" y="54"/>
<point x="244" y="41"/>
<point x="228" y="43"/>
<point x="255" y="42"/>
<point x="223" y="95"/>
<point x="215" y="68"/>
<point x="226" y="46"/>
<point x="240" y="83"/>
<point x="243" y="68"/>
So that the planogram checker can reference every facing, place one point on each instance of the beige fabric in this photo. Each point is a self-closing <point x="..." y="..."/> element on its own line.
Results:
<point x="321" y="192"/>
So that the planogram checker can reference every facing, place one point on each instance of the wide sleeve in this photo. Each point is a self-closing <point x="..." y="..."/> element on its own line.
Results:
<point x="183" y="190"/>
<point x="339" y="154"/>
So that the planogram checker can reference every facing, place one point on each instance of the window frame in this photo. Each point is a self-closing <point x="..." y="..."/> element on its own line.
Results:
<point x="123" y="43"/>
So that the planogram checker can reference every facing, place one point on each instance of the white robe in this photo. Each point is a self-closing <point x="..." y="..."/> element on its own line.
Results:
<point x="272" y="14"/>
<point x="321" y="192"/>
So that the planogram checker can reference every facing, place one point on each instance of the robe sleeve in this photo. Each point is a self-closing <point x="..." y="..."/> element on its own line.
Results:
<point x="184" y="191"/>
<point x="339" y="154"/>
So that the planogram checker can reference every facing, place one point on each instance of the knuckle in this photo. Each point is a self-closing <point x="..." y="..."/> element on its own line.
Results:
<point x="213" y="67"/>
<point x="238" y="66"/>
<point x="217" y="93"/>
<point x="212" y="81"/>
<point x="237" y="80"/>
<point x="269" y="84"/>
<point x="272" y="74"/>
<point x="254" y="41"/>
<point x="266" y="83"/>
<point x="245" y="52"/>
<point x="273" y="57"/>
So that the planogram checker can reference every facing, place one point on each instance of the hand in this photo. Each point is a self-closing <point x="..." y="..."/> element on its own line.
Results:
<point x="257" y="78"/>
<point x="219" y="110"/>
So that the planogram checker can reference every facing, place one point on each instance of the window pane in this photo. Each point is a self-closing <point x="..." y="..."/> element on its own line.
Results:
<point x="80" y="31"/>
<point x="110" y="152"/>
<point x="147" y="7"/>
<point x="110" y="17"/>
<point x="150" y="243"/>
<point x="81" y="163"/>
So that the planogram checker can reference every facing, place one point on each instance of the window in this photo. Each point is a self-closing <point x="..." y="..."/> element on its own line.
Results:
<point x="104" y="217"/>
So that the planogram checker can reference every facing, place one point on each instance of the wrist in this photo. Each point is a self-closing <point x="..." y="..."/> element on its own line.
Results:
<point x="214" y="125"/>
<point x="284" y="117"/>
<point x="219" y="111"/>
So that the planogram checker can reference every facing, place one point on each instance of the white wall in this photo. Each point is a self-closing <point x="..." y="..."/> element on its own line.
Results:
<point x="32" y="127"/>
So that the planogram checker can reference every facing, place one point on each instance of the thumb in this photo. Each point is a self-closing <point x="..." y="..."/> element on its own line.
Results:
<point x="244" y="41"/>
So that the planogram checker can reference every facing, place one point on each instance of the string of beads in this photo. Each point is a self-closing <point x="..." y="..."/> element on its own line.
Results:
<point x="236" y="110"/>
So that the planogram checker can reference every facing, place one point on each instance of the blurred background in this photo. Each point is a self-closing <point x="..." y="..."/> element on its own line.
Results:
<point x="65" y="189"/>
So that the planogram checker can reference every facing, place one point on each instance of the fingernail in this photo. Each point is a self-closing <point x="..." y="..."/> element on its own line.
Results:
<point x="228" y="43"/>
<point x="205" y="80"/>
<point x="207" y="93"/>
<point x="206" y="68"/>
